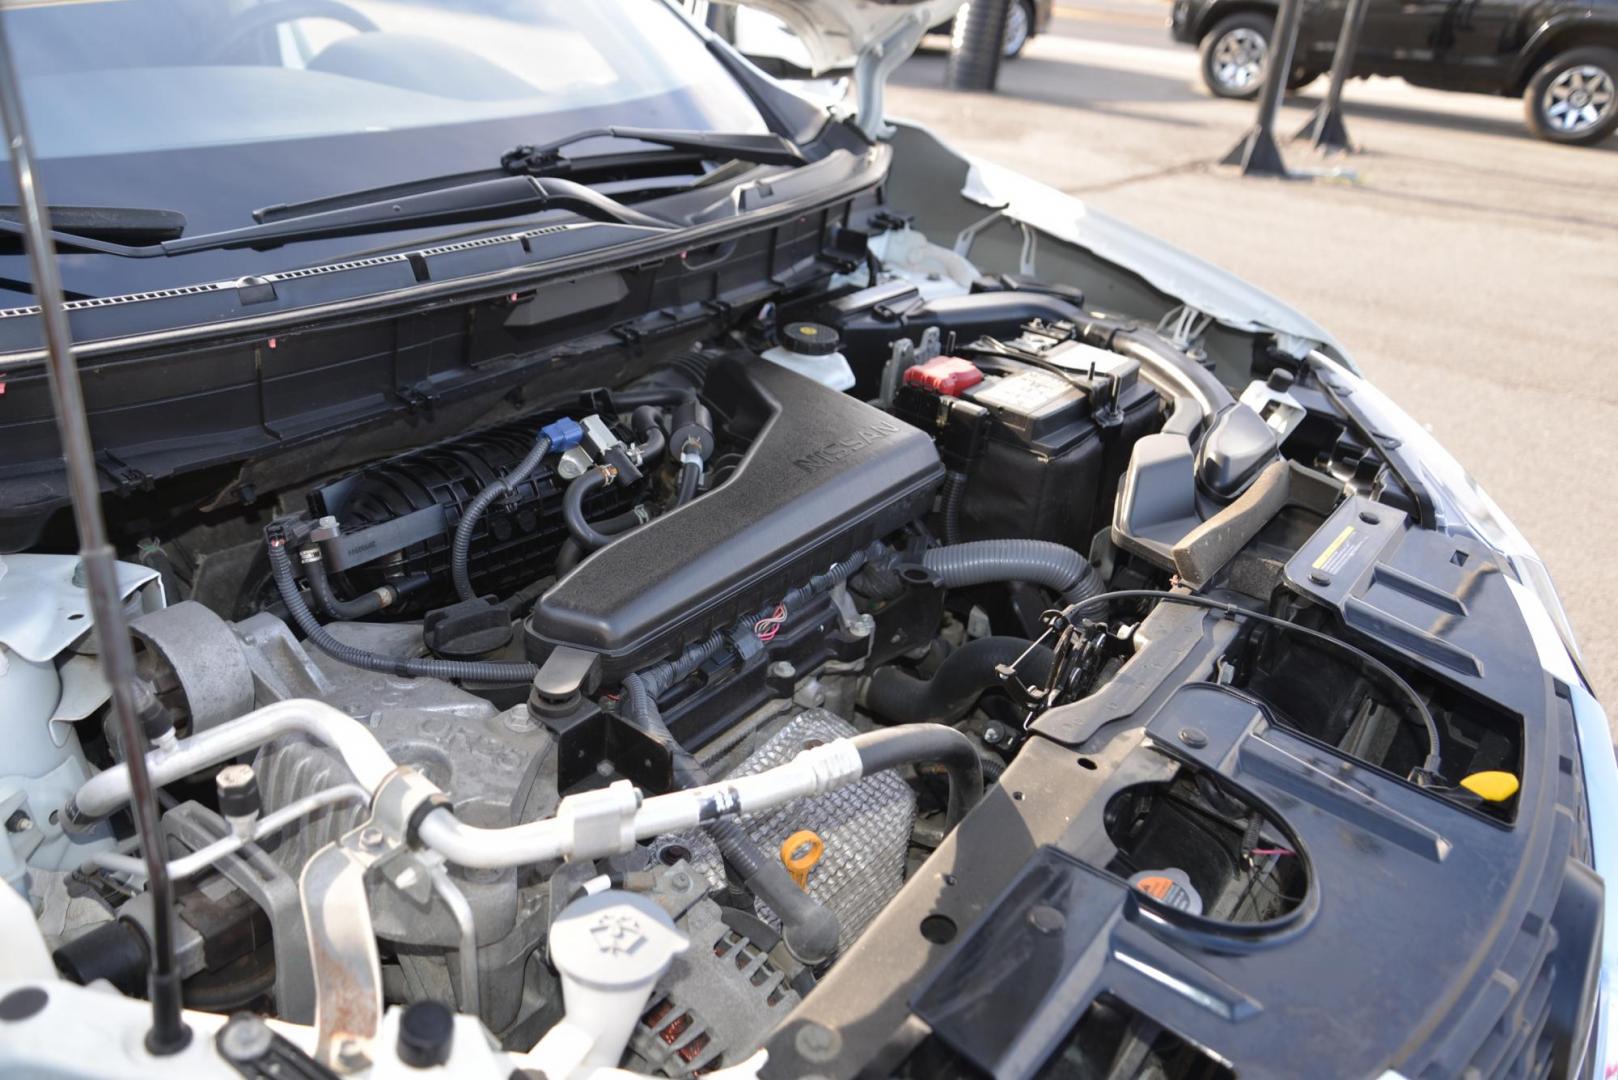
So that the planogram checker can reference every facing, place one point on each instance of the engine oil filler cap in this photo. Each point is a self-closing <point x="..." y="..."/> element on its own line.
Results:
<point x="946" y="375"/>
<point x="799" y="854"/>
<point x="1171" y="887"/>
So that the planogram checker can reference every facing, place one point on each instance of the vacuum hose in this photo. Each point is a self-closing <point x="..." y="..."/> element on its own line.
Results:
<point x="405" y="667"/>
<point x="461" y="547"/>
<point x="584" y="485"/>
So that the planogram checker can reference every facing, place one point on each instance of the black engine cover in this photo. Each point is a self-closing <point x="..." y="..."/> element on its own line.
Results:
<point x="824" y="475"/>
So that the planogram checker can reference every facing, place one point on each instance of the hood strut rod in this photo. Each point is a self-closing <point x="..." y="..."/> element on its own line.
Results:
<point x="169" y="1033"/>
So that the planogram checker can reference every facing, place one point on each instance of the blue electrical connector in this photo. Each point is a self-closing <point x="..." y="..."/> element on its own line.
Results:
<point x="564" y="434"/>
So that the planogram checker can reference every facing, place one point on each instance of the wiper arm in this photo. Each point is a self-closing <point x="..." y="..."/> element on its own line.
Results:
<point x="453" y="200"/>
<point x="548" y="161"/>
<point x="731" y="145"/>
<point x="461" y="203"/>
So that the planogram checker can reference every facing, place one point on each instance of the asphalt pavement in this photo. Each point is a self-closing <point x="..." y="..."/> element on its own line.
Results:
<point x="1471" y="270"/>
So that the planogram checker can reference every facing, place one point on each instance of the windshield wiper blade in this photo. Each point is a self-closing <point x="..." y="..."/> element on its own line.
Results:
<point x="483" y="200"/>
<point x="112" y="224"/>
<point x="767" y="149"/>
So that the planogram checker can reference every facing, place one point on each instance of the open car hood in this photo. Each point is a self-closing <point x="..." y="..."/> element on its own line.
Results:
<point x="837" y="32"/>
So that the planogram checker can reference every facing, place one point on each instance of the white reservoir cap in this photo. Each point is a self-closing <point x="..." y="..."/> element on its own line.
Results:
<point x="610" y="949"/>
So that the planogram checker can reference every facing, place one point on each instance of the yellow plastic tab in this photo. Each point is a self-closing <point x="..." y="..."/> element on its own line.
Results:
<point x="799" y="854"/>
<point x="1492" y="786"/>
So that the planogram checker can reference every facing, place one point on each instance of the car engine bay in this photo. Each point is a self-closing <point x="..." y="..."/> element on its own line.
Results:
<point x="754" y="652"/>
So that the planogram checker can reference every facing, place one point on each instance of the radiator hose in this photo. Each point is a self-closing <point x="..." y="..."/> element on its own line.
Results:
<point x="920" y="744"/>
<point x="900" y="698"/>
<point x="1039" y="562"/>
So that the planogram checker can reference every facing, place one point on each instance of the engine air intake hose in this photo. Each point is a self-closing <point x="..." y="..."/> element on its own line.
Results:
<point x="1039" y="562"/>
<point x="900" y="698"/>
<point x="405" y="667"/>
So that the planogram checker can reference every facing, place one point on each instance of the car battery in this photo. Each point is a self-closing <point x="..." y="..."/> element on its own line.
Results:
<point x="1041" y="426"/>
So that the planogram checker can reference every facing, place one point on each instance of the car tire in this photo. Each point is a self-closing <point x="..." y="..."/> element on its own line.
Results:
<point x="1236" y="35"/>
<point x="1573" y="99"/>
<point x="1233" y="55"/>
<point x="1019" y="27"/>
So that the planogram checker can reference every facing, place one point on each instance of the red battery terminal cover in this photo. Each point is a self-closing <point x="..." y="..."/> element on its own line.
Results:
<point x="947" y="375"/>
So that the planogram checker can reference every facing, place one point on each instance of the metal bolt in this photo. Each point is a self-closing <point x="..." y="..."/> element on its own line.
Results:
<point x="1195" y="738"/>
<point x="19" y="822"/>
<point x="991" y="735"/>
<point x="351" y="1054"/>
<point x="371" y="837"/>
<point x="816" y="1042"/>
<point x="681" y="881"/>
<point x="783" y="669"/>
<point x="245" y="1038"/>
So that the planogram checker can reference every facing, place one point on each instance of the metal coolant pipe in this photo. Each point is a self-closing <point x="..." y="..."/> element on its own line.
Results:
<point x="351" y="740"/>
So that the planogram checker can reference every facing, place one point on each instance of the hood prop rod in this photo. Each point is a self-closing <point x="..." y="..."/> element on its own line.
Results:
<point x="169" y="1033"/>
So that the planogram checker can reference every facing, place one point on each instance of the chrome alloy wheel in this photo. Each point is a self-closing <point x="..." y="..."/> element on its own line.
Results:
<point x="1238" y="58"/>
<point x="1578" y="99"/>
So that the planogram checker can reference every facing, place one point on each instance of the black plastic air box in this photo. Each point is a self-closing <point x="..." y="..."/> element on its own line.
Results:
<point x="824" y="475"/>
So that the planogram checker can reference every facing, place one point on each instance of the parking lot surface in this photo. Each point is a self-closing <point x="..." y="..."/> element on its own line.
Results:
<point x="1471" y="270"/>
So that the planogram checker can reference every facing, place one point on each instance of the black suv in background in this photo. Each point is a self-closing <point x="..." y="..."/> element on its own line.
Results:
<point x="1561" y="56"/>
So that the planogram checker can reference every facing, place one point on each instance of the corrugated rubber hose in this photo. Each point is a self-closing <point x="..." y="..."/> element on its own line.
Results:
<point x="954" y="494"/>
<point x="1039" y="562"/>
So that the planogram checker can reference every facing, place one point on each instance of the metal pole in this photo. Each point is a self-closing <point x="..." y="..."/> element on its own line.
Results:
<point x="1325" y="127"/>
<point x="1257" y="153"/>
<point x="975" y="46"/>
<point x="168" y="1034"/>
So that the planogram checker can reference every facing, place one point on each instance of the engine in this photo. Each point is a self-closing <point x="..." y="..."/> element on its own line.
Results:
<point x="633" y="714"/>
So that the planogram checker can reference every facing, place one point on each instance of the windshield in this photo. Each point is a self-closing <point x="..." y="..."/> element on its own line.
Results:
<point x="216" y="108"/>
<point x="130" y="75"/>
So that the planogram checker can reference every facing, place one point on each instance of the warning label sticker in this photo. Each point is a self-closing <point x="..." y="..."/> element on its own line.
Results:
<point x="1340" y="552"/>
